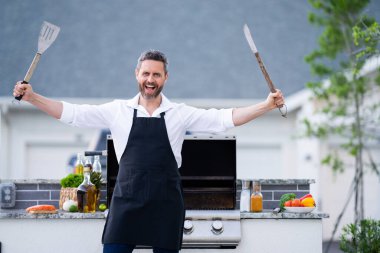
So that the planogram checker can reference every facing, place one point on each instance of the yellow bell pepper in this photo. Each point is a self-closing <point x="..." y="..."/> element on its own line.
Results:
<point x="308" y="202"/>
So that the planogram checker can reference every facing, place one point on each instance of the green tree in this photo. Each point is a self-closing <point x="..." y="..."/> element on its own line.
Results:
<point x="347" y="102"/>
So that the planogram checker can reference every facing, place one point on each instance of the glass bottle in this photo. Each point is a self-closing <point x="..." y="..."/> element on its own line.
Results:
<point x="96" y="166"/>
<point x="87" y="162"/>
<point x="79" y="164"/>
<point x="256" y="198"/>
<point x="86" y="193"/>
<point x="245" y="196"/>
<point x="96" y="175"/>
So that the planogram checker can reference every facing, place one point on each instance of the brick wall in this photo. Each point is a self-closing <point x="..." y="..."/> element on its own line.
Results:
<point x="272" y="192"/>
<point x="29" y="194"/>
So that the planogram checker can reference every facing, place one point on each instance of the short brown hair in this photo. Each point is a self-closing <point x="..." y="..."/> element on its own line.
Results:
<point x="154" y="55"/>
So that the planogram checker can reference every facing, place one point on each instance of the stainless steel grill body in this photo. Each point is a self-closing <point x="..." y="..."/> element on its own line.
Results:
<point x="205" y="227"/>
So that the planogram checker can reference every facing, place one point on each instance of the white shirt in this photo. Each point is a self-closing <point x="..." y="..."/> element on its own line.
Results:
<point x="118" y="117"/>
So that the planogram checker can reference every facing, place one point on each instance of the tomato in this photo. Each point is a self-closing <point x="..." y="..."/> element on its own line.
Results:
<point x="296" y="202"/>
<point x="288" y="203"/>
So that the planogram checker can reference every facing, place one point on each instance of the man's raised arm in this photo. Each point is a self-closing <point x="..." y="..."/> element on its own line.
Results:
<point x="52" y="107"/>
<point x="243" y="115"/>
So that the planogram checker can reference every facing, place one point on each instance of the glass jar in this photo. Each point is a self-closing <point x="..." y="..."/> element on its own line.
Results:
<point x="245" y="196"/>
<point x="256" y="198"/>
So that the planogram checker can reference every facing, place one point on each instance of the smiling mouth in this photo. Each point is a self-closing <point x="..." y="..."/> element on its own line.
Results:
<point x="150" y="87"/>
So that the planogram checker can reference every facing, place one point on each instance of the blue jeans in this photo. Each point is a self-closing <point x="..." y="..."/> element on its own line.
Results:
<point x="127" y="248"/>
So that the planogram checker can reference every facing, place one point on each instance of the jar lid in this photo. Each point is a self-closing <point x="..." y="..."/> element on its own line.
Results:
<point x="245" y="184"/>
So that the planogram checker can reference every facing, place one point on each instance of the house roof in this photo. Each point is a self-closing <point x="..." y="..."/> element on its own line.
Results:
<point x="95" y="54"/>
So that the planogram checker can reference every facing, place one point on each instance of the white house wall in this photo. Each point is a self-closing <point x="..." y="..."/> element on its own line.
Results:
<point x="334" y="189"/>
<point x="39" y="146"/>
<point x="265" y="147"/>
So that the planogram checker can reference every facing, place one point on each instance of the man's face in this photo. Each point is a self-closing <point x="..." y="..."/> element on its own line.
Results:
<point x="151" y="78"/>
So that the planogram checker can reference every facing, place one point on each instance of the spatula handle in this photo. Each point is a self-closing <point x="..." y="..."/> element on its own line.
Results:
<point x="20" y="97"/>
<point x="30" y="72"/>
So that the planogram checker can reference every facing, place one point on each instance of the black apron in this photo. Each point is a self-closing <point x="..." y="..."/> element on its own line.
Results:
<point x="147" y="204"/>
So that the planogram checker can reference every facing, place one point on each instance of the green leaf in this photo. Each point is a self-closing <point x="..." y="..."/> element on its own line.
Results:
<point x="327" y="160"/>
<point x="71" y="180"/>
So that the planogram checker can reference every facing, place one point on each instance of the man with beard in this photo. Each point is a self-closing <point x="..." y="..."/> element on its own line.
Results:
<point x="148" y="131"/>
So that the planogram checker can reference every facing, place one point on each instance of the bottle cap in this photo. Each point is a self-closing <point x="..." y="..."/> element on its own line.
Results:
<point x="245" y="184"/>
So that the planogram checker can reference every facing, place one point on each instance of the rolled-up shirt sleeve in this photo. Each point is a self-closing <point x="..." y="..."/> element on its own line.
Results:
<point x="94" y="116"/>
<point x="207" y="120"/>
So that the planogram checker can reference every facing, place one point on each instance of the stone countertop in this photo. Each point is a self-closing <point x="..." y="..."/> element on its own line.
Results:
<point x="280" y="181"/>
<point x="22" y="214"/>
<point x="262" y="181"/>
<point x="283" y="215"/>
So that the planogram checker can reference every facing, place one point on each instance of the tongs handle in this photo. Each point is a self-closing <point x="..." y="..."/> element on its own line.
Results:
<point x="283" y="109"/>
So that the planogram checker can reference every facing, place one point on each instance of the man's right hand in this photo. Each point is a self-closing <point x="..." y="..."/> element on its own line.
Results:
<point x="23" y="89"/>
<point x="52" y="107"/>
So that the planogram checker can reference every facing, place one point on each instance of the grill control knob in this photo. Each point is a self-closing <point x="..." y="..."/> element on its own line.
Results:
<point x="188" y="227"/>
<point x="217" y="227"/>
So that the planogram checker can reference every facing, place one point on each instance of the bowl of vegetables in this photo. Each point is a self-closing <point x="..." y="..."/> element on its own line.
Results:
<point x="291" y="204"/>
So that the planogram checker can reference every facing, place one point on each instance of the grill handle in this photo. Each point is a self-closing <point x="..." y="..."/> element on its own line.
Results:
<point x="94" y="153"/>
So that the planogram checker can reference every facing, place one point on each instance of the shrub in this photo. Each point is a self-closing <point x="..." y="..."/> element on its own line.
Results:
<point x="361" y="238"/>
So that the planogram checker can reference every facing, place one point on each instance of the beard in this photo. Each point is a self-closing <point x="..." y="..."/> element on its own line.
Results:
<point x="150" y="95"/>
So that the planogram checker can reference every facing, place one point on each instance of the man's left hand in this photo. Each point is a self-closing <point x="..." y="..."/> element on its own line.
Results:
<point x="275" y="100"/>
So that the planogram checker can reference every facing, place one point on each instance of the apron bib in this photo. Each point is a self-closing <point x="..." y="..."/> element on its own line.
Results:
<point x="147" y="204"/>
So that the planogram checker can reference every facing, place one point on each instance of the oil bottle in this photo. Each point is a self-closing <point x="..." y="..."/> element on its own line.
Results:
<point x="87" y="193"/>
<point x="79" y="164"/>
<point x="87" y="162"/>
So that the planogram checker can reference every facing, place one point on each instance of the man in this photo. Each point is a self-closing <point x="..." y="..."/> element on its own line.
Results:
<point x="148" y="131"/>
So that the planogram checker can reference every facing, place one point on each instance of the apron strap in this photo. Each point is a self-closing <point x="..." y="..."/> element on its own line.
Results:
<point x="162" y="114"/>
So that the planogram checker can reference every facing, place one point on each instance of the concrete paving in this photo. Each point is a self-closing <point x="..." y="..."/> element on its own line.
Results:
<point x="334" y="248"/>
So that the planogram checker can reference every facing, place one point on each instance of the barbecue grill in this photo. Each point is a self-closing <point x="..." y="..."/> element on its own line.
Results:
<point x="208" y="175"/>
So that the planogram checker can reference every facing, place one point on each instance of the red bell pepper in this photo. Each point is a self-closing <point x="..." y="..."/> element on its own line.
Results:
<point x="306" y="196"/>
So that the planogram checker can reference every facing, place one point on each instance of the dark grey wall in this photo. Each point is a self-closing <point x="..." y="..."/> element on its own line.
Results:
<point x="100" y="41"/>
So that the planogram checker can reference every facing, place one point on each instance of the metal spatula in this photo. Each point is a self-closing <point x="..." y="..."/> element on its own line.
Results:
<point x="48" y="34"/>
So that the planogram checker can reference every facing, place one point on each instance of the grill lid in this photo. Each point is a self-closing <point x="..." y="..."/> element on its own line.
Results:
<point x="208" y="172"/>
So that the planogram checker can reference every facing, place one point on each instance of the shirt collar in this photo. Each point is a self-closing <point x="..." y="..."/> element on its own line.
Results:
<point x="164" y="106"/>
